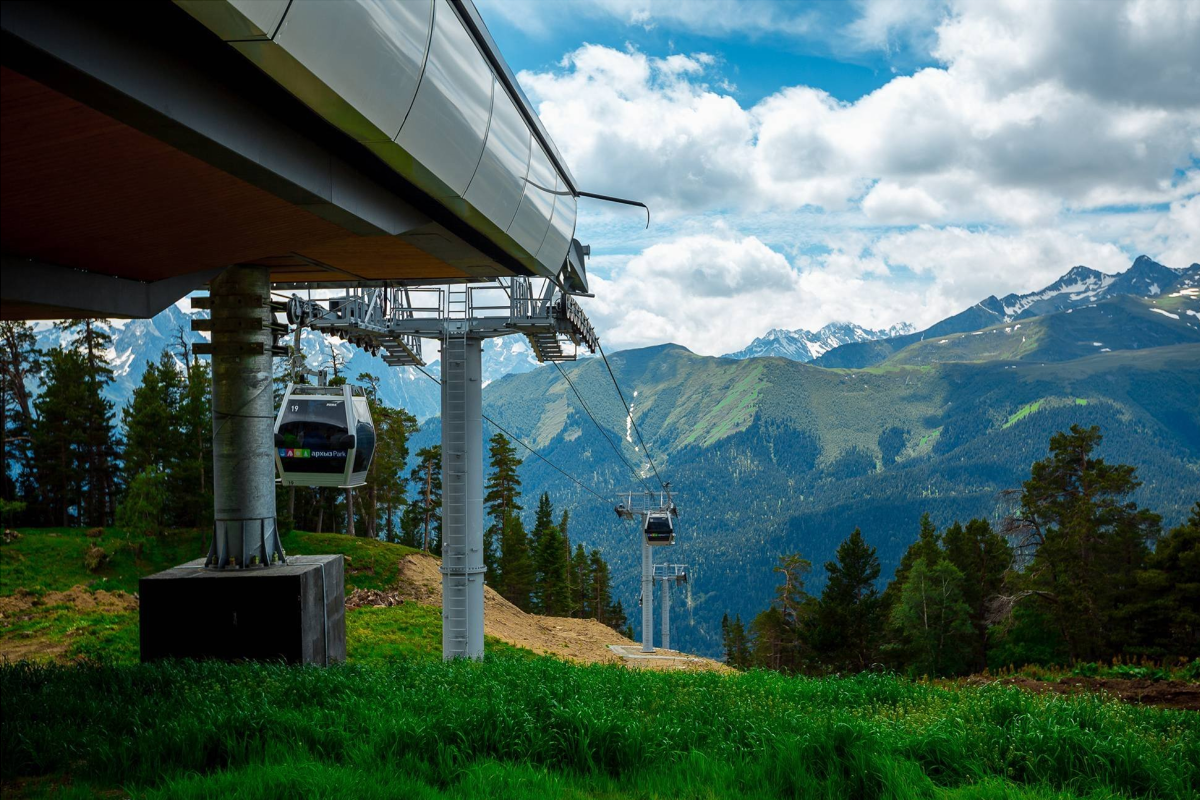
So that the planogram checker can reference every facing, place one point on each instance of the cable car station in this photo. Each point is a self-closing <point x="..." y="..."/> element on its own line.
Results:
<point x="376" y="160"/>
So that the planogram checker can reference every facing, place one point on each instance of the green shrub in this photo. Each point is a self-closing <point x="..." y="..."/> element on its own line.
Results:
<point x="143" y="512"/>
<point x="95" y="559"/>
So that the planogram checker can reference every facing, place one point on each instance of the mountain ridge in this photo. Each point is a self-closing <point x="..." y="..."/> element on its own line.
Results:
<point x="1077" y="287"/>
<point x="804" y="345"/>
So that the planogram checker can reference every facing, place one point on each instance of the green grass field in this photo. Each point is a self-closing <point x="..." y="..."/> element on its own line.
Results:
<point x="397" y="722"/>
<point x="537" y="727"/>
<point x="46" y="561"/>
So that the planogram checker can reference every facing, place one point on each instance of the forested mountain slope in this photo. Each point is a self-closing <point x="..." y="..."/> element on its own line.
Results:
<point x="769" y="456"/>
<point x="1121" y="323"/>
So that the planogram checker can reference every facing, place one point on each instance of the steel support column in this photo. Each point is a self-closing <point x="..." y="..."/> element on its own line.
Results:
<point x="647" y="597"/>
<point x="462" y="493"/>
<point x="666" y="614"/>
<point x="244" y="529"/>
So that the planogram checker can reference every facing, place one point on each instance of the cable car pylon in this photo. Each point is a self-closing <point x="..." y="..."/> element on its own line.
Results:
<point x="392" y="320"/>
<point x="656" y="513"/>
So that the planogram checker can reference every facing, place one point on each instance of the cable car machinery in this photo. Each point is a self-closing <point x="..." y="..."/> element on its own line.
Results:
<point x="390" y="319"/>
<point x="655" y="513"/>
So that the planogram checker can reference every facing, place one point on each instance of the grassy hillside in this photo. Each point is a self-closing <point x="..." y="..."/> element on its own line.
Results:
<point x="536" y="728"/>
<point x="52" y="606"/>
<point x="770" y="456"/>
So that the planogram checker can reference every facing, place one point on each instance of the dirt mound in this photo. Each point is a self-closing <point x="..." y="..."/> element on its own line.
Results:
<point x="373" y="598"/>
<point x="584" y="640"/>
<point x="78" y="597"/>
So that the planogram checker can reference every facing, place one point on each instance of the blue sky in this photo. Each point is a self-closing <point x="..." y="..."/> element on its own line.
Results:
<point x="876" y="161"/>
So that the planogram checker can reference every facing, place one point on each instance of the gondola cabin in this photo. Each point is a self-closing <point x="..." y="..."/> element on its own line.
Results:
<point x="659" y="528"/>
<point x="324" y="436"/>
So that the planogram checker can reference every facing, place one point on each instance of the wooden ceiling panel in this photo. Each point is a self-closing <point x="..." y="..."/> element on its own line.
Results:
<point x="83" y="190"/>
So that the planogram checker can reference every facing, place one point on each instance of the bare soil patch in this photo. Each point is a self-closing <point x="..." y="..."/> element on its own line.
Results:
<point x="1165" y="694"/>
<point x="78" y="597"/>
<point x="24" y="605"/>
<point x="582" y="640"/>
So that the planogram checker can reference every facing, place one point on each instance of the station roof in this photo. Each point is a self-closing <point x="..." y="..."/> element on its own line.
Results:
<point x="332" y="142"/>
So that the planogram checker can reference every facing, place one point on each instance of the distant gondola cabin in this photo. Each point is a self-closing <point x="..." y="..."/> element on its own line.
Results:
<point x="324" y="436"/>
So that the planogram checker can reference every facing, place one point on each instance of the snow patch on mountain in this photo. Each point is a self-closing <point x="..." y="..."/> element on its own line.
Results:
<point x="803" y="345"/>
<point x="138" y="342"/>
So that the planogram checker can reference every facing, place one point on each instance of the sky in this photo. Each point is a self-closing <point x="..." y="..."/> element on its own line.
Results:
<point x="871" y="161"/>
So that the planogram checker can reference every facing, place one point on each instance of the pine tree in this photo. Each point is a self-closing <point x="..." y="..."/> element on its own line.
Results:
<point x="426" y="480"/>
<point x="393" y="429"/>
<point x="503" y="489"/>
<point x="516" y="566"/>
<point x="1170" y="588"/>
<point x="552" y="590"/>
<point x="581" y="582"/>
<point x="982" y="556"/>
<point x="933" y="619"/>
<point x="193" y="492"/>
<point x="850" y="613"/>
<point x="92" y="339"/>
<point x="599" y="594"/>
<point x="149" y="420"/>
<point x="59" y="439"/>
<point x="617" y="620"/>
<point x="20" y="365"/>
<point x="1088" y="544"/>
<point x="737" y="646"/>
<point x="927" y="548"/>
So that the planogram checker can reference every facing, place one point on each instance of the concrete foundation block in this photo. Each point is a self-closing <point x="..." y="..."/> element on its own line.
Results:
<point x="294" y="612"/>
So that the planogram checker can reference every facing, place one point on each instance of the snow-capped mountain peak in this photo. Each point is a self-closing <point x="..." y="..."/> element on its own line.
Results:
<point x="804" y="345"/>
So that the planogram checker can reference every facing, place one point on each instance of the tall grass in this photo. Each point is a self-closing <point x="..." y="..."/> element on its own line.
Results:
<point x="522" y="727"/>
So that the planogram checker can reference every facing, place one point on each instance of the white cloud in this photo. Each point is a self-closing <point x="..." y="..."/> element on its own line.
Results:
<point x="997" y="135"/>
<point x="1013" y="158"/>
<point x="714" y="293"/>
<point x="900" y="205"/>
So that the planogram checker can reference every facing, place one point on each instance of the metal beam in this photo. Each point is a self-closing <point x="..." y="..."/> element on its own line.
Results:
<point x="64" y="291"/>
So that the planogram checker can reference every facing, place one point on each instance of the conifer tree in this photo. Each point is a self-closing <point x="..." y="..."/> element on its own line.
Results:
<point x="1087" y="542"/>
<point x="426" y="507"/>
<point x="850" y="613"/>
<point x="194" y="459"/>
<point x="1171" y="592"/>
<point x="516" y="567"/>
<point x="581" y="582"/>
<point x="59" y="441"/>
<point x="149" y="418"/>
<point x="599" y="594"/>
<point x="736" y="645"/>
<point x="393" y="429"/>
<point x="552" y="590"/>
<point x="927" y="548"/>
<point x="20" y="365"/>
<point x="982" y="556"/>
<point x="933" y="619"/>
<point x="92" y="340"/>
<point x="503" y="489"/>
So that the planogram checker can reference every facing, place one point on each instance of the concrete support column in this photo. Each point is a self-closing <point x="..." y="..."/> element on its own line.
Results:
<point x="647" y="597"/>
<point x="244" y="532"/>
<point x="462" y="494"/>
<point x="666" y="614"/>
